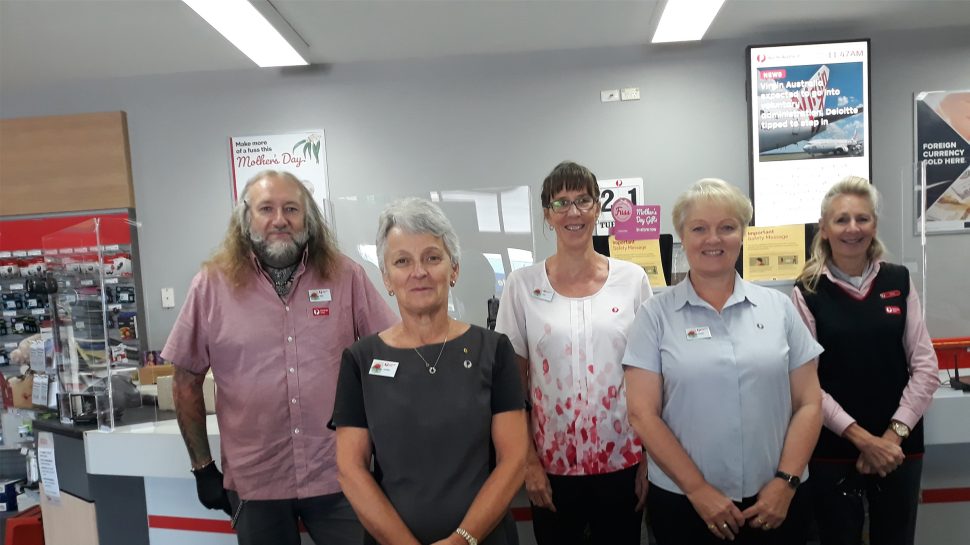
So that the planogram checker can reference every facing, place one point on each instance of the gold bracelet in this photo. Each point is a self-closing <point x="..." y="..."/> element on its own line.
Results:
<point x="468" y="537"/>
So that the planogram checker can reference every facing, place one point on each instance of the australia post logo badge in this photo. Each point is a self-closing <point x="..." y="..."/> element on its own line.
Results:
<point x="383" y="368"/>
<point x="320" y="311"/>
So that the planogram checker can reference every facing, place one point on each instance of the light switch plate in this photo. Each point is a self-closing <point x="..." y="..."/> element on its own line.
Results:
<point x="610" y="95"/>
<point x="168" y="297"/>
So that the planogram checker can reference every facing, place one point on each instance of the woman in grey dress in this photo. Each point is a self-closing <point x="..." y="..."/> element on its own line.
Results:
<point x="436" y="402"/>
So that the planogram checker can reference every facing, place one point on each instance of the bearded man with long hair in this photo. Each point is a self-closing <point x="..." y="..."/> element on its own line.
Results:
<point x="269" y="314"/>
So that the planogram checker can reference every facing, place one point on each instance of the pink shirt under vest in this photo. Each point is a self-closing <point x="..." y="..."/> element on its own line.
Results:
<point x="275" y="365"/>
<point x="923" y="367"/>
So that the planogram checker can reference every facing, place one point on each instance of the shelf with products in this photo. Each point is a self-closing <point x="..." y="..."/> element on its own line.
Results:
<point x="97" y="301"/>
<point x="80" y="292"/>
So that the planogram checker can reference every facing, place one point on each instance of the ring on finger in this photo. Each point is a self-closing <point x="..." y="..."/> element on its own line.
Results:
<point x="711" y="527"/>
<point x="724" y="525"/>
<point x="766" y="526"/>
<point x="759" y="521"/>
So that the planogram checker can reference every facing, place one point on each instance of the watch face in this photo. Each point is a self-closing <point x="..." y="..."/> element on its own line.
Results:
<point x="901" y="429"/>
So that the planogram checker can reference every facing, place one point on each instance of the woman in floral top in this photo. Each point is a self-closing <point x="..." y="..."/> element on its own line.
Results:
<point x="567" y="318"/>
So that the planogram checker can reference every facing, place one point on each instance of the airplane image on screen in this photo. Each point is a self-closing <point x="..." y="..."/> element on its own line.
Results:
<point x="779" y="137"/>
<point x="835" y="146"/>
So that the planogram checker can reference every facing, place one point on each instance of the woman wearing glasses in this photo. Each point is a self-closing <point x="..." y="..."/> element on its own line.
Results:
<point x="567" y="318"/>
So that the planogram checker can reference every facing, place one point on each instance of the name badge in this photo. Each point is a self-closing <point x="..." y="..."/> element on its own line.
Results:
<point x="319" y="295"/>
<point x="890" y="294"/>
<point x="694" y="333"/>
<point x="383" y="368"/>
<point x="544" y="294"/>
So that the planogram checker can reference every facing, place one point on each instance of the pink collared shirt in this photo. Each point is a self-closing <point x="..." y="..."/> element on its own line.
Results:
<point x="276" y="366"/>
<point x="923" y="367"/>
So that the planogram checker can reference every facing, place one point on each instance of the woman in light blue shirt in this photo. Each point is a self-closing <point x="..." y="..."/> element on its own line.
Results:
<point x="722" y="389"/>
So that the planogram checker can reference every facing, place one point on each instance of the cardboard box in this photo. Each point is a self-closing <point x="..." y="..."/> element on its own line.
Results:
<point x="209" y="393"/>
<point x="166" y="401"/>
<point x="23" y="391"/>
<point x="150" y="373"/>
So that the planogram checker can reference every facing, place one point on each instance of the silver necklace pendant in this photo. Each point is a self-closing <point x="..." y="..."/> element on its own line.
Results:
<point x="430" y="366"/>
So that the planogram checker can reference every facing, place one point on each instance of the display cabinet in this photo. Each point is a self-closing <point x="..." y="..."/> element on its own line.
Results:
<point x="95" y="345"/>
<point x="82" y="270"/>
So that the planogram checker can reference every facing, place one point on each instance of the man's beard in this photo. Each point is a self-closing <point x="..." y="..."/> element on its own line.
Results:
<point x="279" y="253"/>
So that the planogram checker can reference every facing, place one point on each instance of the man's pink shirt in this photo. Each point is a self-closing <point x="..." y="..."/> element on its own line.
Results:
<point x="275" y="365"/>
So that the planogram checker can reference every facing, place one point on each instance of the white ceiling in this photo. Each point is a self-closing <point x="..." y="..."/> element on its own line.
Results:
<point x="44" y="42"/>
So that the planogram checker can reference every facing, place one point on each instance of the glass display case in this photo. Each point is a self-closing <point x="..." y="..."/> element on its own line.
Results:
<point x="92" y="339"/>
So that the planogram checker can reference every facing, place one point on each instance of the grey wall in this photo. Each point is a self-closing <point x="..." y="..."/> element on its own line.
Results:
<point x="478" y="122"/>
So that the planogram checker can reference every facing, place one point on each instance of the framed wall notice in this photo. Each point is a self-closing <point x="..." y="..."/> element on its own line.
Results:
<point x="942" y="132"/>
<point x="303" y="154"/>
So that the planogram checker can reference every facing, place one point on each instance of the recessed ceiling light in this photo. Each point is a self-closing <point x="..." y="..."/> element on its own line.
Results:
<point x="686" y="20"/>
<point x="252" y="32"/>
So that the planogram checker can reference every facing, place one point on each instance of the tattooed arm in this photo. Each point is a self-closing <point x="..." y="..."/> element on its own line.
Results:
<point x="190" y="413"/>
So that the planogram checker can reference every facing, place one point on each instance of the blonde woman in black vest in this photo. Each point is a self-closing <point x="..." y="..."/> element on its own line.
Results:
<point x="878" y="374"/>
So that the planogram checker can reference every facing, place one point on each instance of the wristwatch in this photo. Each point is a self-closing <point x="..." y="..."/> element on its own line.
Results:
<point x="792" y="480"/>
<point x="899" y="428"/>
<point x="468" y="537"/>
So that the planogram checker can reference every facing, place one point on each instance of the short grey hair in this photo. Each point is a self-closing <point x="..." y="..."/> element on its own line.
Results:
<point x="712" y="190"/>
<point x="416" y="216"/>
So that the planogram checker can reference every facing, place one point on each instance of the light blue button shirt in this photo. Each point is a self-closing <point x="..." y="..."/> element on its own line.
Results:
<point x="726" y="390"/>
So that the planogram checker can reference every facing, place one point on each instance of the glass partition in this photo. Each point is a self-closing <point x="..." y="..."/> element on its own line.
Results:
<point x="494" y="227"/>
<point x="93" y="333"/>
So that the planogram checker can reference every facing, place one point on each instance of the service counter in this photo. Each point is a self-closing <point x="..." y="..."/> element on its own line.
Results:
<point x="137" y="478"/>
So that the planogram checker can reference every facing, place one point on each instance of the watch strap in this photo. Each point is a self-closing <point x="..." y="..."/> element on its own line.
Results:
<point x="792" y="480"/>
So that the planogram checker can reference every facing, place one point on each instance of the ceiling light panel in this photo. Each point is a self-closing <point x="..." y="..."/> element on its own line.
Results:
<point x="686" y="20"/>
<point x="252" y="32"/>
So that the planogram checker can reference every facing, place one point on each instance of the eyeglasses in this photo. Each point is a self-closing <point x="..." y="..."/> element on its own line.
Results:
<point x="583" y="204"/>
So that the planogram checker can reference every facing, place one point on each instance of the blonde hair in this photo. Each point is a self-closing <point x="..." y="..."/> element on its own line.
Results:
<point x="233" y="257"/>
<point x="712" y="190"/>
<point x="821" y="249"/>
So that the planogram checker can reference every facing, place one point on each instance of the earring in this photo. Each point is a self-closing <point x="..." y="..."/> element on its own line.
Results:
<point x="551" y="228"/>
<point x="452" y="283"/>
<point x="390" y="292"/>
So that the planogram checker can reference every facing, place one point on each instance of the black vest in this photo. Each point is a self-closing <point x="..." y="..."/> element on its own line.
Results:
<point x="864" y="366"/>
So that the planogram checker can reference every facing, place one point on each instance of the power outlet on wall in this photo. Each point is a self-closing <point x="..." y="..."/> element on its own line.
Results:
<point x="168" y="297"/>
<point x="630" y="93"/>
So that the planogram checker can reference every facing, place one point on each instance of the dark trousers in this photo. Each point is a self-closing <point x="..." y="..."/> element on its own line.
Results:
<point x="675" y="522"/>
<point x="328" y="519"/>
<point x="838" y="494"/>
<point x="603" y="505"/>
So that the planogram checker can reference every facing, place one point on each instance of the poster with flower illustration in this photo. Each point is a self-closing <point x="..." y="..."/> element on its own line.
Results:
<point x="303" y="154"/>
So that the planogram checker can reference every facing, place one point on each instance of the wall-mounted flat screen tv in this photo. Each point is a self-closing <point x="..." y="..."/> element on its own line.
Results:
<point x="808" y="125"/>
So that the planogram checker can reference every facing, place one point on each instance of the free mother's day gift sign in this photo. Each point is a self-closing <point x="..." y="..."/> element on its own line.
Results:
<point x="635" y="237"/>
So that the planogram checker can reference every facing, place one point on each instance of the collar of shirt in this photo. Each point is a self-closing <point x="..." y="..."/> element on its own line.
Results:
<point x="684" y="294"/>
<point x="300" y="269"/>
<point x="867" y="279"/>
